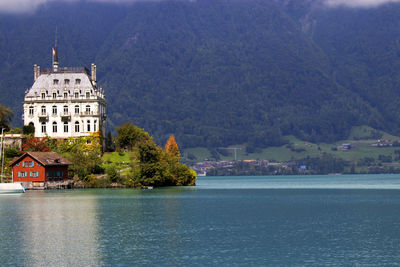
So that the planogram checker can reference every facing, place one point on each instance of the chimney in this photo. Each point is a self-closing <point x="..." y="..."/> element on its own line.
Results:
<point x="36" y="72"/>
<point x="94" y="75"/>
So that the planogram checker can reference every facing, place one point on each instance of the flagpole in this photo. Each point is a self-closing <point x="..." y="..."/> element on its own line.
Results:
<point x="1" y="154"/>
<point x="2" y="161"/>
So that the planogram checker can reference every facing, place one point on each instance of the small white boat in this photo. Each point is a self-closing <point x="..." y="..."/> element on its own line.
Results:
<point x="11" y="188"/>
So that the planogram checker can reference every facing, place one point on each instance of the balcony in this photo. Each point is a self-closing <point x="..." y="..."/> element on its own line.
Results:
<point x="43" y="116"/>
<point x="89" y="113"/>
<point x="65" y="115"/>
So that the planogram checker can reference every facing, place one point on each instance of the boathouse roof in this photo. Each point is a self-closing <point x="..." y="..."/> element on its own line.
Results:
<point x="44" y="158"/>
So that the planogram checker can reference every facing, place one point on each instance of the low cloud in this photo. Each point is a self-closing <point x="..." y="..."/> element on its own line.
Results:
<point x="359" y="3"/>
<point x="23" y="6"/>
<point x="20" y="6"/>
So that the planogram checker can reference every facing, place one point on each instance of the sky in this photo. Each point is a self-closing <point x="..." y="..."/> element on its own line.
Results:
<point x="22" y="6"/>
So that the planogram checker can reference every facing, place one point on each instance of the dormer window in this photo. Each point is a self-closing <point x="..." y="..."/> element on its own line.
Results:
<point x="54" y="95"/>
<point x="55" y="81"/>
<point x="66" y="81"/>
<point x="43" y="95"/>
<point x="76" y="95"/>
<point x="87" y="94"/>
<point x="65" y="95"/>
<point x="78" y="81"/>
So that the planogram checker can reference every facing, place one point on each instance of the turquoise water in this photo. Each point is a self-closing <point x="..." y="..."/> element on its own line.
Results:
<point x="224" y="221"/>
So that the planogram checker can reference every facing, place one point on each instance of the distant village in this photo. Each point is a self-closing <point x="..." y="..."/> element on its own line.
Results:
<point x="308" y="165"/>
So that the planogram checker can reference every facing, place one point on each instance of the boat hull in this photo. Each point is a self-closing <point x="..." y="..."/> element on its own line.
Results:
<point x="11" y="188"/>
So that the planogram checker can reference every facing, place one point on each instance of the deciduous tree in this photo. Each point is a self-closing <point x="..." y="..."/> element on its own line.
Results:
<point x="5" y="117"/>
<point x="36" y="144"/>
<point x="171" y="147"/>
<point x="128" y="135"/>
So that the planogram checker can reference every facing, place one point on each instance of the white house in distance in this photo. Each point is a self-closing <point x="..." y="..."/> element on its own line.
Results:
<point x="65" y="102"/>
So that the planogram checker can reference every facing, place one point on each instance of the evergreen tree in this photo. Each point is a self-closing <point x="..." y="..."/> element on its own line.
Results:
<point x="109" y="143"/>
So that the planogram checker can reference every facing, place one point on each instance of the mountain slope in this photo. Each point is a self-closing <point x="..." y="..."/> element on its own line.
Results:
<point x="213" y="73"/>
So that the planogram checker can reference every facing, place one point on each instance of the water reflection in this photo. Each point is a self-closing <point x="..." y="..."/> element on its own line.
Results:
<point x="54" y="229"/>
<point x="11" y="243"/>
<point x="143" y="226"/>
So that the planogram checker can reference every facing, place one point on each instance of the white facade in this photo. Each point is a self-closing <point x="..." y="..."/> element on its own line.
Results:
<point x="65" y="102"/>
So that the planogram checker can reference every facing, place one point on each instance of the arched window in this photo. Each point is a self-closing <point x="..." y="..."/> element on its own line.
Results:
<point x="54" y="95"/>
<point x="65" y="95"/>
<point x="76" y="94"/>
<point x="54" y="127"/>
<point x="43" y="127"/>
<point x="77" y="126"/>
<point x="65" y="127"/>
<point x="77" y="109"/>
<point x="88" y="125"/>
<point x="33" y="126"/>
<point x="87" y="108"/>
<point x="66" y="109"/>
<point x="54" y="110"/>
<point x="43" y="95"/>
<point x="43" y="110"/>
<point x="31" y="110"/>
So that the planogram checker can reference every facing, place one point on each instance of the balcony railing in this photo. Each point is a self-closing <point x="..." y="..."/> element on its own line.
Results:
<point x="65" y="115"/>
<point x="43" y="116"/>
<point x="89" y="113"/>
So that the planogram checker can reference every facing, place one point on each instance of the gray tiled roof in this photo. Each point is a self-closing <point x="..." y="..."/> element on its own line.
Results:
<point x="45" y="81"/>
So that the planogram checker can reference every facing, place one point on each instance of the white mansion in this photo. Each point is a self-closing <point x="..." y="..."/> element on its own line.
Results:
<point x="65" y="102"/>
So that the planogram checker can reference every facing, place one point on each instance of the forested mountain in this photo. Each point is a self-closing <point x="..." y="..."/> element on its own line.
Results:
<point x="220" y="72"/>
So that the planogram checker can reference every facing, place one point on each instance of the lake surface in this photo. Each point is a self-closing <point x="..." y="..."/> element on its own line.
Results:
<point x="224" y="221"/>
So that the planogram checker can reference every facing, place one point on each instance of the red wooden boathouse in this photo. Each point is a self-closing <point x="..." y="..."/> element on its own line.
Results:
<point x="40" y="167"/>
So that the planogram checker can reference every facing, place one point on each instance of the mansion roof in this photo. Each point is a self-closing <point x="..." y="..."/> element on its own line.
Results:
<point x="61" y="80"/>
